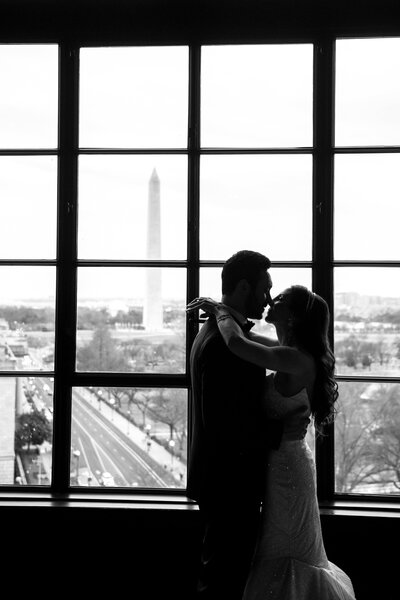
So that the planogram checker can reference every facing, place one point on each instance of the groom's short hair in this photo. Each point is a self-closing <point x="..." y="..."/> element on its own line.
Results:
<point x="245" y="264"/>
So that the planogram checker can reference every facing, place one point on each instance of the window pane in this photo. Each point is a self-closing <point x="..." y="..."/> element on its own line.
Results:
<point x="131" y="320"/>
<point x="258" y="202"/>
<point x="256" y="96"/>
<point x="132" y="207"/>
<point x="367" y="444"/>
<point x="367" y="321"/>
<point x="129" y="437"/>
<point x="26" y="430"/>
<point x="27" y="310"/>
<point x="367" y="210"/>
<point x="28" y="192"/>
<point x="367" y="92"/>
<point x="29" y="96"/>
<point x="210" y="285"/>
<point x="134" y="97"/>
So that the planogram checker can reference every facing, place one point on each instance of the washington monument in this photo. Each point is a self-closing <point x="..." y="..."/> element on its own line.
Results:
<point x="152" y="310"/>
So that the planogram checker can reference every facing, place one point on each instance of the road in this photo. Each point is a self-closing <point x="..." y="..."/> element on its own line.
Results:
<point x="104" y="447"/>
<point x="104" y="441"/>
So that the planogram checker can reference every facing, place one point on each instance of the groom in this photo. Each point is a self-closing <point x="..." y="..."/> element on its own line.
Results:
<point x="230" y="435"/>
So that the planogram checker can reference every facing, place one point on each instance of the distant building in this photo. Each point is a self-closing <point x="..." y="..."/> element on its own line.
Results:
<point x="9" y="399"/>
<point x="4" y="325"/>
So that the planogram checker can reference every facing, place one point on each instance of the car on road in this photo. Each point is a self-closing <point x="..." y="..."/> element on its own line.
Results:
<point x="107" y="479"/>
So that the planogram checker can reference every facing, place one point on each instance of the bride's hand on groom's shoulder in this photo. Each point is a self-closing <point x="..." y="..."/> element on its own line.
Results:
<point x="208" y="305"/>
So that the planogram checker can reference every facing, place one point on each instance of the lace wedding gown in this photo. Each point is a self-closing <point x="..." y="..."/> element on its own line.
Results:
<point x="290" y="562"/>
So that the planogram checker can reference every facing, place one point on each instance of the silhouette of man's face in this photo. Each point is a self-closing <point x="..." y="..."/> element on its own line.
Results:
<point x="259" y="297"/>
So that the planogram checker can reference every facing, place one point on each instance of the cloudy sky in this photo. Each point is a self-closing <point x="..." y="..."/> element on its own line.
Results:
<point x="251" y="96"/>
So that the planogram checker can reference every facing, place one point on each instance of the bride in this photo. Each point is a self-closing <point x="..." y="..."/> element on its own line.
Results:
<point x="290" y="562"/>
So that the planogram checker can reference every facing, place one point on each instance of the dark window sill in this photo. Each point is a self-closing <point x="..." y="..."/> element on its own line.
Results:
<point x="367" y="508"/>
<point x="345" y="508"/>
<point x="97" y="500"/>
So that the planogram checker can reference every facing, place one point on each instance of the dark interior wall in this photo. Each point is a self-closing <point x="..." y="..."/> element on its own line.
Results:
<point x="93" y="553"/>
<point x="202" y="20"/>
<point x="150" y="554"/>
<point x="366" y="548"/>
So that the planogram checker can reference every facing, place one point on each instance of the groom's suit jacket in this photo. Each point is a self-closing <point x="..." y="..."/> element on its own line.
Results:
<point x="230" y="434"/>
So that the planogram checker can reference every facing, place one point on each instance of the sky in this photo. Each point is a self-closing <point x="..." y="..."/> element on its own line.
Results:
<point x="251" y="96"/>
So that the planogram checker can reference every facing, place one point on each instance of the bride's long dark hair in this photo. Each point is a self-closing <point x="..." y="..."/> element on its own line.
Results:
<point x="310" y="330"/>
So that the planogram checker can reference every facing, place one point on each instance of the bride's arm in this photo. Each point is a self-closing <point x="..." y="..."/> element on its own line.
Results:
<point x="263" y="339"/>
<point x="273" y="358"/>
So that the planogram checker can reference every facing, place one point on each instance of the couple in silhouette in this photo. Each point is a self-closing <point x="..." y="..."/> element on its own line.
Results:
<point x="251" y="470"/>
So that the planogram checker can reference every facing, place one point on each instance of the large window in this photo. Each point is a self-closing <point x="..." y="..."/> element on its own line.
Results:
<point x="128" y="174"/>
<point x="28" y="228"/>
<point x="367" y="266"/>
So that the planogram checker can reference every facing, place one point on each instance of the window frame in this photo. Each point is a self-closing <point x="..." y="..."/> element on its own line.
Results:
<point x="329" y="486"/>
<point x="322" y="263"/>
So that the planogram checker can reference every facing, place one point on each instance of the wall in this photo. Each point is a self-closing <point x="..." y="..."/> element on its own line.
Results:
<point x="203" y="20"/>
<point x="151" y="554"/>
<point x="363" y="547"/>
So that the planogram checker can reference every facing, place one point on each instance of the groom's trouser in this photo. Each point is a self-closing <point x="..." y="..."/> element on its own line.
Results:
<point x="230" y="535"/>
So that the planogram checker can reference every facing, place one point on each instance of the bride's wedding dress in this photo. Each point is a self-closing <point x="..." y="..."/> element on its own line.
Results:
<point x="290" y="562"/>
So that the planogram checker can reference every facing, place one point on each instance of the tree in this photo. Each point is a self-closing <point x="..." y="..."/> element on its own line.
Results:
<point x="28" y="317"/>
<point x="101" y="353"/>
<point x="367" y="436"/>
<point x="397" y="346"/>
<point x="117" y="394"/>
<point x="165" y="357"/>
<point x="89" y="318"/>
<point x="169" y="407"/>
<point x="387" y="434"/>
<point x="134" y="316"/>
<point x="32" y="429"/>
<point x="142" y="401"/>
<point x="348" y="350"/>
<point x="366" y="361"/>
<point x="351" y="441"/>
<point x="351" y="358"/>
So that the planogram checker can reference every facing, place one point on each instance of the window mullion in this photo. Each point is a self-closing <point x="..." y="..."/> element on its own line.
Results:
<point x="323" y="223"/>
<point x="65" y="326"/>
<point x="193" y="243"/>
<point x="193" y="180"/>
